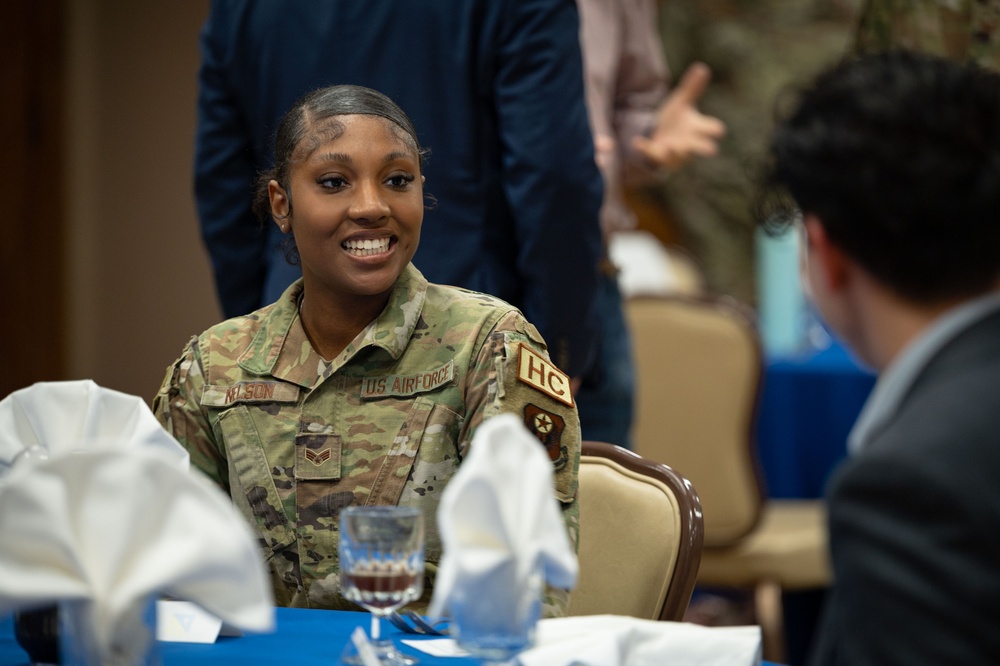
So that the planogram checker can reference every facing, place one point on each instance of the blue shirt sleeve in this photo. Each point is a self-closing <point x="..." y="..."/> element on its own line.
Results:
<point x="550" y="176"/>
<point x="224" y="174"/>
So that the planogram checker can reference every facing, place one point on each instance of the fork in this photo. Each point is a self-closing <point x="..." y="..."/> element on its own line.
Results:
<point x="413" y="623"/>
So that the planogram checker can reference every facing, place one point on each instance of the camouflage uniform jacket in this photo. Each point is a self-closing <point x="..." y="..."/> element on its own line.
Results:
<point x="956" y="29"/>
<point x="294" y="438"/>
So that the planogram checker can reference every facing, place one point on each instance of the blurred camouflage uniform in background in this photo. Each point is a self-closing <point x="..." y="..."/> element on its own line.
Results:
<point x="293" y="438"/>
<point x="957" y="29"/>
<point x="756" y="49"/>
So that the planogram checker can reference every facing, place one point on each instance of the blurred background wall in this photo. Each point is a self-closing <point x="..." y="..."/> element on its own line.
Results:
<point x="101" y="264"/>
<point x="138" y="283"/>
<point x="133" y="282"/>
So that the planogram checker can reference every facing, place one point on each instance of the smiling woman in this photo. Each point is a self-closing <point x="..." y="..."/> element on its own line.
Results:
<point x="363" y="384"/>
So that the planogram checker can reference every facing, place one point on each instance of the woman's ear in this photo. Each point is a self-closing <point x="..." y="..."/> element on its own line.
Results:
<point x="280" y="205"/>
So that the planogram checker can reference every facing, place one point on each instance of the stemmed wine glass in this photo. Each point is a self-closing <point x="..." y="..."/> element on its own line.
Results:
<point x="382" y="565"/>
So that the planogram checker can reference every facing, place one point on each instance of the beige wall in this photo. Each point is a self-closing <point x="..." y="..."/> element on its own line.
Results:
<point x="139" y="278"/>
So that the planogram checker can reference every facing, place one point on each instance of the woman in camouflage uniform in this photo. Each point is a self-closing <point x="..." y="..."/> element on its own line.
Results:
<point x="363" y="384"/>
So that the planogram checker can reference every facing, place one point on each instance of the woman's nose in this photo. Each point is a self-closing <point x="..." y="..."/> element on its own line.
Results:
<point x="369" y="203"/>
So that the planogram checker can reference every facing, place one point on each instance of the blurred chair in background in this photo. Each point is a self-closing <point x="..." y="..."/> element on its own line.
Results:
<point x="640" y="536"/>
<point x="699" y="369"/>
<point x="699" y="378"/>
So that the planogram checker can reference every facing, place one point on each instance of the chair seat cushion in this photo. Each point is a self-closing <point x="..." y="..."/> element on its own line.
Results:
<point x="788" y="547"/>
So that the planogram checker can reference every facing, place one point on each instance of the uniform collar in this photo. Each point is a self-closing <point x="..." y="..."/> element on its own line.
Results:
<point x="281" y="349"/>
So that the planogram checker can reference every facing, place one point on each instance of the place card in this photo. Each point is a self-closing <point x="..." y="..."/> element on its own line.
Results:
<point x="437" y="647"/>
<point x="186" y="622"/>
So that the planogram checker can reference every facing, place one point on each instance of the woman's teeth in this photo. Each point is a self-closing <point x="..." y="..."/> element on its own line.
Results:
<point x="364" y="248"/>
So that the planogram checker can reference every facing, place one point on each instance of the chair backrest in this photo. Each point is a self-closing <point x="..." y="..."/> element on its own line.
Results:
<point x="640" y="536"/>
<point x="698" y="381"/>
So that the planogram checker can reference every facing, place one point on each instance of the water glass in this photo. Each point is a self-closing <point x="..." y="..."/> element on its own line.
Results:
<point x="132" y="642"/>
<point x="494" y="617"/>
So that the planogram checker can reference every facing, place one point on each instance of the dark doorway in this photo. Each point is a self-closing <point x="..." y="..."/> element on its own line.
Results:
<point x="32" y="171"/>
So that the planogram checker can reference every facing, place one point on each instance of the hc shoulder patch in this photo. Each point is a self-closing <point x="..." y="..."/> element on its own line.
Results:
<point x="536" y="371"/>
<point x="548" y="428"/>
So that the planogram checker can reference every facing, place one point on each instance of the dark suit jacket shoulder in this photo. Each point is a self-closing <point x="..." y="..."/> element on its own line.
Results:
<point x="915" y="522"/>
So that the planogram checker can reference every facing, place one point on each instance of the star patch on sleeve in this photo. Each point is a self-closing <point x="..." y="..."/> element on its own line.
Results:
<point x="548" y="428"/>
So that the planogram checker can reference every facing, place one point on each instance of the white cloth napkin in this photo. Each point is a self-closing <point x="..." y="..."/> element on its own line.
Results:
<point x="614" y="640"/>
<point x="499" y="514"/>
<point x="111" y="528"/>
<point x="58" y="417"/>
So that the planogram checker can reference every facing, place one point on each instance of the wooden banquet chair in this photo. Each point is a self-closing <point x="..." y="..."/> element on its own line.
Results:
<point x="698" y="382"/>
<point x="640" y="536"/>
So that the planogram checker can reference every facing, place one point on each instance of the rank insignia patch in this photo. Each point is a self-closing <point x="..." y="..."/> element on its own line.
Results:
<point x="548" y="428"/>
<point x="318" y="457"/>
<point x="317" y="454"/>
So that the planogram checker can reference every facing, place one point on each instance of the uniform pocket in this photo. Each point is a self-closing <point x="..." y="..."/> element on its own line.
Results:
<point x="318" y="454"/>
<point x="251" y="481"/>
<point x="392" y="474"/>
<point x="435" y="463"/>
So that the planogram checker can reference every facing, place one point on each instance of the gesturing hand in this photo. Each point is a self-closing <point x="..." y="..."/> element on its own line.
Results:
<point x="681" y="130"/>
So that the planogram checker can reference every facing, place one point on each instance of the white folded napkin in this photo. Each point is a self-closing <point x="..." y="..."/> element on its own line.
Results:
<point x="499" y="515"/>
<point x="58" y="417"/>
<point x="614" y="640"/>
<point x="111" y="528"/>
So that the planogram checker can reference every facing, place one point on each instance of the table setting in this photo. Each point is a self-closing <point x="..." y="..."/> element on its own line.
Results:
<point x="100" y="517"/>
<point x="504" y="540"/>
<point x="102" y="521"/>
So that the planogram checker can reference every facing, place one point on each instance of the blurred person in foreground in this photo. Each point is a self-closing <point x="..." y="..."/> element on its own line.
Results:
<point x="640" y="133"/>
<point x="893" y="162"/>
<point x="363" y="384"/>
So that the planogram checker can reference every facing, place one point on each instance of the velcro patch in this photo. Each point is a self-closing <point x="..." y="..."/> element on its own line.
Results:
<point x="318" y="456"/>
<point x="535" y="371"/>
<point x="548" y="428"/>
<point x="406" y="385"/>
<point x="223" y="396"/>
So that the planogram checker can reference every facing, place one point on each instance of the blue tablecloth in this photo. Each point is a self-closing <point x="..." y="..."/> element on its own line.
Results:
<point x="306" y="637"/>
<point x="808" y="406"/>
<point x="302" y="637"/>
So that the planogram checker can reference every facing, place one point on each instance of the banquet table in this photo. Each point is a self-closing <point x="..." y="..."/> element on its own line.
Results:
<point x="303" y="636"/>
<point x="809" y="404"/>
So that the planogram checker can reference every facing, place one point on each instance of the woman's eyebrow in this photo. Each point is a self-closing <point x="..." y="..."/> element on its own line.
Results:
<point x="398" y="154"/>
